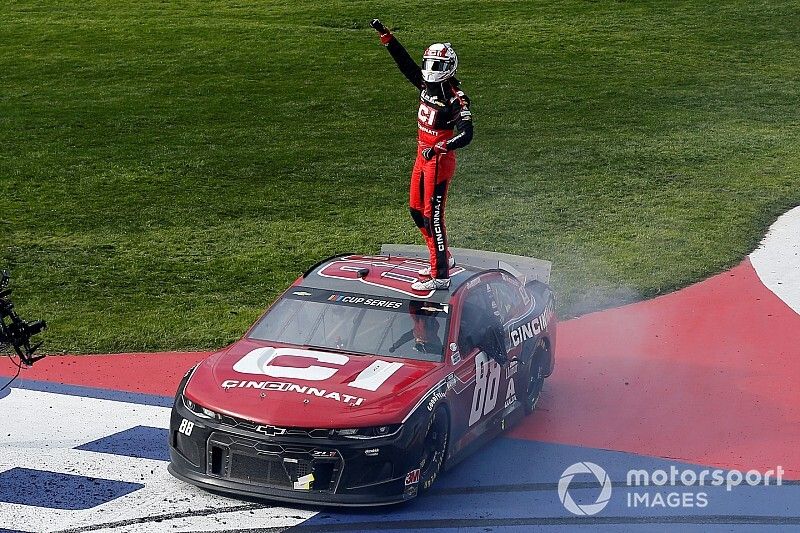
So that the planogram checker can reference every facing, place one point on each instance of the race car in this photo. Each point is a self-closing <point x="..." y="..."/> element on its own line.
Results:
<point x="354" y="389"/>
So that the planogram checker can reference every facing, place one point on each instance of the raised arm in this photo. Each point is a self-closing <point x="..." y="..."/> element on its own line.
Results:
<point x="407" y="66"/>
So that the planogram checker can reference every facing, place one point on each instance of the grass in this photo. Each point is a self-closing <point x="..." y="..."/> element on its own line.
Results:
<point x="166" y="168"/>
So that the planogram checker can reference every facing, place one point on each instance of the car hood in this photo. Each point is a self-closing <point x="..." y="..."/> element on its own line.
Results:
<point x="291" y="386"/>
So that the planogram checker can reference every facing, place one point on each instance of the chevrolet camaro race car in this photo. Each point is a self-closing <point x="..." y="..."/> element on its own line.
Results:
<point x="355" y="389"/>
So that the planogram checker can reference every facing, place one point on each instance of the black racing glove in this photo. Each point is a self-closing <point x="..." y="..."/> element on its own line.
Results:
<point x="384" y="32"/>
<point x="379" y="27"/>
<point x="430" y="153"/>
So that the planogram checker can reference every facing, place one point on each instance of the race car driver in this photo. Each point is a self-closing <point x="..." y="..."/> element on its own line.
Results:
<point x="424" y="330"/>
<point x="444" y="122"/>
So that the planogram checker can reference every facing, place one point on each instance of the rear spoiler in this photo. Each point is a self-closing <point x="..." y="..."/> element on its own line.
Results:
<point x="523" y="268"/>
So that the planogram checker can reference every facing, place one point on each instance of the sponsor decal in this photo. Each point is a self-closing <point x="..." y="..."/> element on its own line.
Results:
<point x="283" y="386"/>
<point x="372" y="452"/>
<point x="427" y="130"/>
<point x="435" y="397"/>
<point x="426" y="115"/>
<point x="412" y="478"/>
<point x="437" y="223"/>
<point x="511" y="394"/>
<point x="304" y="483"/>
<point x="533" y="328"/>
<point x="512" y="368"/>
<point x="361" y="300"/>
<point x="261" y="362"/>
<point x="301" y="293"/>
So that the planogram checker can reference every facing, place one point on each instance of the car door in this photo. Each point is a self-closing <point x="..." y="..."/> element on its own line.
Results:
<point x="514" y="306"/>
<point x="480" y="381"/>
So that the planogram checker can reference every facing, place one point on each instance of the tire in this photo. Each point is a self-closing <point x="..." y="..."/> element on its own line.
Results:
<point x="434" y="448"/>
<point x="535" y="380"/>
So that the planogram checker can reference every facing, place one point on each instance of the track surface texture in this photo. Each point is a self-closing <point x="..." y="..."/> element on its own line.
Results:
<point x="703" y="378"/>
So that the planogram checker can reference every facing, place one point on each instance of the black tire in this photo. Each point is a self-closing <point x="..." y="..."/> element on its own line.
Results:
<point x="434" y="448"/>
<point x="535" y="379"/>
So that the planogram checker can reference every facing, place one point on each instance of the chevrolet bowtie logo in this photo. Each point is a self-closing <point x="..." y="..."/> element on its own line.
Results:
<point x="270" y="431"/>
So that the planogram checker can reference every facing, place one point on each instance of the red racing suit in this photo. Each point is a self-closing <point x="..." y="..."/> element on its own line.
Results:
<point x="443" y="108"/>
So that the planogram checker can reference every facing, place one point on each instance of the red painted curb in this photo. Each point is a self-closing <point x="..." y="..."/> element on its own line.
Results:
<point x="707" y="374"/>
<point x="147" y="373"/>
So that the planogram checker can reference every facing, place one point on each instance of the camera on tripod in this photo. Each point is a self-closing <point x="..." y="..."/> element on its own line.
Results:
<point x="15" y="331"/>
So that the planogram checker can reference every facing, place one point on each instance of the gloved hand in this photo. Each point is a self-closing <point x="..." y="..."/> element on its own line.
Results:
<point x="439" y="148"/>
<point x="384" y="32"/>
<point x="379" y="27"/>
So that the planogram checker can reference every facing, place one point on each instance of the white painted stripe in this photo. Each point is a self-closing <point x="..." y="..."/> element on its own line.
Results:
<point x="40" y="431"/>
<point x="777" y="259"/>
<point x="267" y="518"/>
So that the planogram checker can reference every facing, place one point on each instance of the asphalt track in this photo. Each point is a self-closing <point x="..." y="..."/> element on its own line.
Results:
<point x="704" y="378"/>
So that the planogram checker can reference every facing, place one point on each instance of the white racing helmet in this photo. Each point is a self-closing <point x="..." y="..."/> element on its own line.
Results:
<point x="439" y="62"/>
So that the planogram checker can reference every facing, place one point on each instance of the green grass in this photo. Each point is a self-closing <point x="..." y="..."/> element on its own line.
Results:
<point x="166" y="168"/>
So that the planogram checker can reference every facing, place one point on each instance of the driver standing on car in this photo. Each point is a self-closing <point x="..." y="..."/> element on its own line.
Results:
<point x="443" y="108"/>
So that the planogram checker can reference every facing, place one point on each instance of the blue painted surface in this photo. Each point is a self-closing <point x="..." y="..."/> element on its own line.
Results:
<point x="53" y="490"/>
<point x="591" y="526"/>
<point x="509" y="485"/>
<point x="90" y="392"/>
<point x="512" y="484"/>
<point x="142" y="442"/>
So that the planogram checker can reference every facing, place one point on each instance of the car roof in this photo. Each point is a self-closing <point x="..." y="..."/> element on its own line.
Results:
<point x="381" y="276"/>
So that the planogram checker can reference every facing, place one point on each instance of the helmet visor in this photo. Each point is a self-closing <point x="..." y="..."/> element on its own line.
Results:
<point x="435" y="65"/>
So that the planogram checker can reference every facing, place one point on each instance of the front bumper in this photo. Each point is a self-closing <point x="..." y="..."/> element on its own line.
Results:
<point x="229" y="456"/>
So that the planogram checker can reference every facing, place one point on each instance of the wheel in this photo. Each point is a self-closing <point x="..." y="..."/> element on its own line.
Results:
<point x="535" y="380"/>
<point x="434" y="449"/>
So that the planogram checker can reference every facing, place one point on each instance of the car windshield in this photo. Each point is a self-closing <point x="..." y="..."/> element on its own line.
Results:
<point x="358" y="323"/>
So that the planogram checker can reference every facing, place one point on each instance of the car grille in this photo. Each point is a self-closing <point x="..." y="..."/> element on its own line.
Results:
<point x="248" y="425"/>
<point x="272" y="465"/>
<point x="260" y="470"/>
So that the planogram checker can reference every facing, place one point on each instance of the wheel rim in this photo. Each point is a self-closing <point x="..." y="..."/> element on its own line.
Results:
<point x="434" y="448"/>
<point x="536" y="383"/>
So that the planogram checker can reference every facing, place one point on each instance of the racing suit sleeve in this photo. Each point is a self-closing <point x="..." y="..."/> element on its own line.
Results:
<point x="463" y="121"/>
<point x="407" y="66"/>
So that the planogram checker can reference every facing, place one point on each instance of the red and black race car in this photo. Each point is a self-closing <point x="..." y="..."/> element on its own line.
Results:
<point x="354" y="389"/>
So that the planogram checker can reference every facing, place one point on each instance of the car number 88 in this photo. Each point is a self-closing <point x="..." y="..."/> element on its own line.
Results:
<point x="487" y="382"/>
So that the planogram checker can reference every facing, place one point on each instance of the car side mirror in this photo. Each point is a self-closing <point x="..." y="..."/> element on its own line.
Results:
<point x="493" y="343"/>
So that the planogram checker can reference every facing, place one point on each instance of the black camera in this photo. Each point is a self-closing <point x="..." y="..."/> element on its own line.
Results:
<point x="14" y="331"/>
